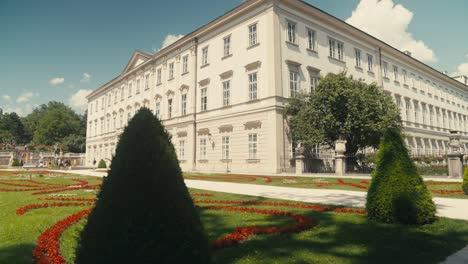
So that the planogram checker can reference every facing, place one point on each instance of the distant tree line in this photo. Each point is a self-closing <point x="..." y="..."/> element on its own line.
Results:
<point x="48" y="124"/>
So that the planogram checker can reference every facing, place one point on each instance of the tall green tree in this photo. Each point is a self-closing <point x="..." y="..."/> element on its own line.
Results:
<point x="144" y="213"/>
<point x="342" y="107"/>
<point x="11" y="125"/>
<point x="56" y="124"/>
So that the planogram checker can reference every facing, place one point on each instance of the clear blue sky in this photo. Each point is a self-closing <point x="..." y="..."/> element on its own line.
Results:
<point x="42" y="40"/>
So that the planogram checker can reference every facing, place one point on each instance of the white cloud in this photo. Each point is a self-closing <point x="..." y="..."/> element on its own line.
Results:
<point x="86" y="77"/>
<point x="466" y="56"/>
<point x="462" y="69"/>
<point x="56" y="80"/>
<point x="25" y="97"/>
<point x="389" y="22"/>
<point x="6" y="97"/>
<point x="21" y="111"/>
<point x="170" y="39"/>
<point x="78" y="100"/>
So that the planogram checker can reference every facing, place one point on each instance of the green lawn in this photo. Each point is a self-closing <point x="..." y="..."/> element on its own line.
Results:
<point x="437" y="188"/>
<point x="336" y="238"/>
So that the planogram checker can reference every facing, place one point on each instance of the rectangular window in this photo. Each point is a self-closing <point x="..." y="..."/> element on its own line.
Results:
<point x="416" y="112"/>
<point x="121" y="120"/>
<point x="138" y="86"/>
<point x="184" y="104"/>
<point x="314" y="80"/>
<point x="204" y="56"/>
<point x="185" y="64"/>
<point x="130" y="90"/>
<point x="311" y="39"/>
<point x="157" y="110"/>
<point x="357" y="54"/>
<point x="424" y="113"/>
<point x="171" y="71"/>
<point x="109" y="97"/>
<point x="408" y="109"/>
<point x="227" y="46"/>
<point x="253" y="86"/>
<point x="225" y="147"/>
<point x="293" y="83"/>
<point x="204" y="99"/>
<point x="226" y="93"/>
<point x="169" y="108"/>
<point x="203" y="148"/>
<point x="122" y="93"/>
<point x="370" y="63"/>
<point x="385" y="69"/>
<point x="253" y="34"/>
<point x="115" y="95"/>
<point x="129" y="116"/>
<point x="97" y="106"/>
<point x="291" y="32"/>
<point x="146" y="81"/>
<point x="395" y="73"/>
<point x="181" y="149"/>
<point x="252" y="146"/>
<point x="158" y="76"/>
<point x="336" y="49"/>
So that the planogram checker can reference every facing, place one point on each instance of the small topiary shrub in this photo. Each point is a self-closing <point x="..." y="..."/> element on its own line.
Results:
<point x="465" y="181"/>
<point x="397" y="193"/>
<point x="102" y="164"/>
<point x="15" y="163"/>
<point x="144" y="213"/>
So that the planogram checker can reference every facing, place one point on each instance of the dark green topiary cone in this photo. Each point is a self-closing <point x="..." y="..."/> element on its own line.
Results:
<point x="144" y="213"/>
<point x="465" y="181"/>
<point x="397" y="193"/>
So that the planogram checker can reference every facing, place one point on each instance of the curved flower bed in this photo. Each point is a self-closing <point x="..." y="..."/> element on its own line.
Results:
<point x="55" y="190"/>
<point x="47" y="250"/>
<point x="68" y="199"/>
<point x="22" y="210"/>
<point x="448" y="192"/>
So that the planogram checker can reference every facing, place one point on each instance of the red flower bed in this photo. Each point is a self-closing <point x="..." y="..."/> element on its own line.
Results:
<point x="447" y="192"/>
<point x="242" y="233"/>
<point x="315" y="207"/>
<point x="340" y="181"/>
<point x="68" y="199"/>
<point x="26" y="190"/>
<point x="17" y="184"/>
<point x="24" y="209"/>
<point x="44" y="183"/>
<point x="48" y="246"/>
<point x="442" y="183"/>
<point x="55" y="190"/>
<point x="201" y="194"/>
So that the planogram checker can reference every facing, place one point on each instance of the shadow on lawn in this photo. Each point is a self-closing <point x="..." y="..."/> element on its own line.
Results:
<point x="17" y="254"/>
<point x="349" y="238"/>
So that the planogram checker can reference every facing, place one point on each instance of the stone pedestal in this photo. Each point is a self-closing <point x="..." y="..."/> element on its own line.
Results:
<point x="455" y="157"/>
<point x="299" y="165"/>
<point x="340" y="159"/>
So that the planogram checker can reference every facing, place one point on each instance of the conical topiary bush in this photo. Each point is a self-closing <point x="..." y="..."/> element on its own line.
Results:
<point x="465" y="181"/>
<point x="397" y="193"/>
<point x="144" y="213"/>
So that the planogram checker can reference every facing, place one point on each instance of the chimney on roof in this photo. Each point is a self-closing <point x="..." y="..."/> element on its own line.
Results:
<point x="407" y="52"/>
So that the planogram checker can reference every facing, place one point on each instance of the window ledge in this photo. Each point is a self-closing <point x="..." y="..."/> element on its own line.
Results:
<point x="226" y="160"/>
<point x="252" y="160"/>
<point x="312" y="50"/>
<point x="170" y="79"/>
<point x="396" y="82"/>
<point x="335" y="59"/>
<point x="358" y="68"/>
<point x="184" y="73"/>
<point x="292" y="43"/>
<point x="227" y="56"/>
<point x="386" y="78"/>
<point x="158" y="84"/>
<point x="253" y="46"/>
<point x="182" y="161"/>
<point x="146" y="89"/>
<point x="203" y="161"/>
<point x="405" y="85"/>
<point x="371" y="72"/>
<point x="204" y="65"/>
<point x="253" y="101"/>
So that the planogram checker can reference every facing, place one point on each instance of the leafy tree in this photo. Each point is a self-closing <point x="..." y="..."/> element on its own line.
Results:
<point x="15" y="163"/>
<point x="74" y="143"/>
<point x="397" y="193"/>
<point x="10" y="123"/>
<point x="342" y="107"/>
<point x="56" y="124"/>
<point x="102" y="164"/>
<point x="6" y="137"/>
<point x="144" y="213"/>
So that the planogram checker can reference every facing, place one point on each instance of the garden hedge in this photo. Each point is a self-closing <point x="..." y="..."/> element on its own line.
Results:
<point x="144" y="213"/>
<point x="397" y="193"/>
<point x="102" y="164"/>
<point x="465" y="180"/>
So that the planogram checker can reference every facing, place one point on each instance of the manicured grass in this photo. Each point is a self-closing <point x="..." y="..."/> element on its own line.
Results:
<point x="336" y="238"/>
<point x="320" y="183"/>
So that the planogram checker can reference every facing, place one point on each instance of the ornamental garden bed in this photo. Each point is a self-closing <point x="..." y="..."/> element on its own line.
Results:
<point x="438" y="189"/>
<point x="241" y="229"/>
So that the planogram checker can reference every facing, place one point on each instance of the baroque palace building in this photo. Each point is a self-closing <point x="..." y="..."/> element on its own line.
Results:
<point x="220" y="90"/>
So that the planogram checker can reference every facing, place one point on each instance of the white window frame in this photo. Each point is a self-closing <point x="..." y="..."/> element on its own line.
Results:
<point x="292" y="31"/>
<point x="227" y="46"/>
<point x="253" y="85"/>
<point x="203" y="148"/>
<point x="181" y="150"/>
<point x="370" y="63"/>
<point x="183" y="104"/>
<point x="204" y="99"/>
<point x="227" y="93"/>
<point x="225" y="147"/>
<point x="385" y="69"/>
<point x="146" y="81"/>
<point x="157" y="110"/>
<point x="169" y="107"/>
<point x="314" y="80"/>
<point x="204" y="56"/>
<point x="185" y="64"/>
<point x="357" y="54"/>
<point x="253" y="34"/>
<point x="311" y="39"/>
<point x="138" y="86"/>
<point x="171" y="71"/>
<point x="158" y="76"/>
<point x="395" y="73"/>
<point x="293" y="83"/>
<point x="253" y="145"/>
<point x="336" y="49"/>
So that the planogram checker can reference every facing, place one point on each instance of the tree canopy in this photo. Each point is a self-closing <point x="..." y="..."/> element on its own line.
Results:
<point x="342" y="107"/>
<point x="12" y="129"/>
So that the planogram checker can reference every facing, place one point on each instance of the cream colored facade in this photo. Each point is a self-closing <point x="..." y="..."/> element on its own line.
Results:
<point x="221" y="89"/>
